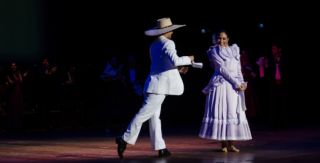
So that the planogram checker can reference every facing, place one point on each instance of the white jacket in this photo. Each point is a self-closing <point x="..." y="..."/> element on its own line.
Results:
<point x="164" y="77"/>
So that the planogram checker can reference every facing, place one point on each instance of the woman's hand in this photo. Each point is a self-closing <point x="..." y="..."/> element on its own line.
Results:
<point x="242" y="87"/>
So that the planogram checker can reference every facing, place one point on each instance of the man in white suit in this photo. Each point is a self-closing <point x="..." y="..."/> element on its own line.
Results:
<point x="164" y="79"/>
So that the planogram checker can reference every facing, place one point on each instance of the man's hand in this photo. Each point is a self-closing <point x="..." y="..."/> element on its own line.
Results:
<point x="191" y="58"/>
<point x="183" y="69"/>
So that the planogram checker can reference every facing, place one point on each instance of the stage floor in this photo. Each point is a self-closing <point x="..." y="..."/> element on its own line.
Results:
<point x="294" y="145"/>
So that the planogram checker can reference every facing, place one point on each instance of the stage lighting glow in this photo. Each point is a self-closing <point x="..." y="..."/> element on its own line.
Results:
<point x="261" y="25"/>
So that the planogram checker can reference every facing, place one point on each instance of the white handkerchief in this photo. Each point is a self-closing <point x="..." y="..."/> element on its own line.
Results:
<point x="197" y="65"/>
<point x="243" y="100"/>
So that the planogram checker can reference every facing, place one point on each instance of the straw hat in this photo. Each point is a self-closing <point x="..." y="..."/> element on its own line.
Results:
<point x="164" y="25"/>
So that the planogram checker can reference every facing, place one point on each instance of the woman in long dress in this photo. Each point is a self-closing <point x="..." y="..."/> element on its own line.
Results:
<point x="224" y="118"/>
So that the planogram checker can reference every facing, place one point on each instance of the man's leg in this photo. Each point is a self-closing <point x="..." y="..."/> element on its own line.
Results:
<point x="150" y="107"/>
<point x="157" y="141"/>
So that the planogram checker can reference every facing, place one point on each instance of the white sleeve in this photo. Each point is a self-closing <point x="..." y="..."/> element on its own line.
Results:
<point x="170" y="50"/>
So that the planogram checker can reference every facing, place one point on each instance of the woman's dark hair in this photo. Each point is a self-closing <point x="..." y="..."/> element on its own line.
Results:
<point x="222" y="31"/>
<point x="226" y="32"/>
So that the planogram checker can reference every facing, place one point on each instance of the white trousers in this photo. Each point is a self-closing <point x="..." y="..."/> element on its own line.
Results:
<point x="149" y="111"/>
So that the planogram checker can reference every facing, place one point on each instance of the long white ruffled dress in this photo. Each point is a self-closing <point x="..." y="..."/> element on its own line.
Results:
<point x="224" y="117"/>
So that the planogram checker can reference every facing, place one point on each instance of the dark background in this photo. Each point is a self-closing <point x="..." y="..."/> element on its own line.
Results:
<point x="71" y="29"/>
